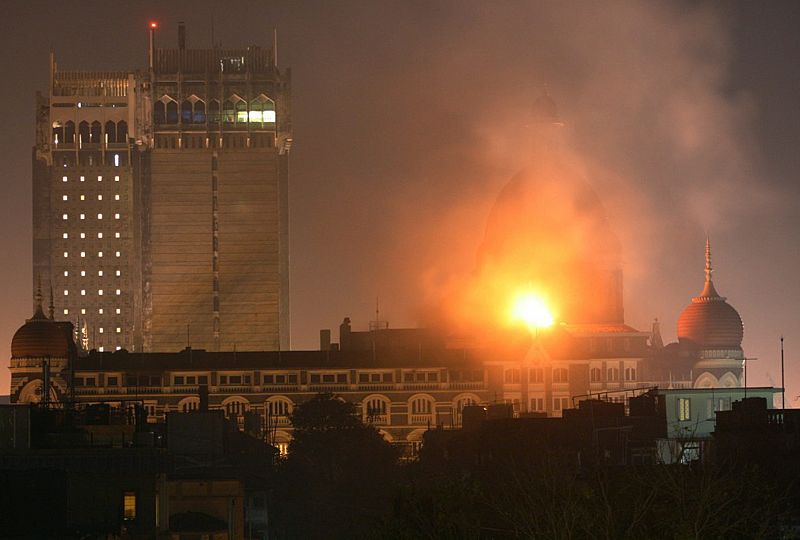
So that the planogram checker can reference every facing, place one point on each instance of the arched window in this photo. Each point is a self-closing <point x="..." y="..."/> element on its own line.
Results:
<point x="235" y="406"/>
<point x="595" y="374"/>
<point x="189" y="404"/>
<point x="228" y="112"/>
<point x="630" y="374"/>
<point x="111" y="132"/>
<point x="199" y="116"/>
<point x="186" y="111"/>
<point x="278" y="410"/>
<point x="241" y="111"/>
<point x="213" y="111"/>
<point x="612" y="374"/>
<point x="96" y="132"/>
<point x="560" y="375"/>
<point x="421" y="409"/>
<point x="262" y="110"/>
<point x="377" y="410"/>
<point x="69" y="132"/>
<point x="159" y="112"/>
<point x="58" y="133"/>
<point x="83" y="132"/>
<point x="172" y="112"/>
<point x="122" y="131"/>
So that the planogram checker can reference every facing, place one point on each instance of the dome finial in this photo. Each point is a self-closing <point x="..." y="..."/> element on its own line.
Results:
<point x="37" y="297"/>
<point x="709" y="270"/>
<point x="51" y="309"/>
<point x="709" y="292"/>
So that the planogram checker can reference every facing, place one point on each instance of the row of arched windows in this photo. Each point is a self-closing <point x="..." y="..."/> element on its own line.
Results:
<point x="234" y="110"/>
<point x="94" y="133"/>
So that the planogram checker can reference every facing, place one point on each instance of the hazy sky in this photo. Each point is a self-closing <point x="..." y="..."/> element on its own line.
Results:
<point x="408" y="120"/>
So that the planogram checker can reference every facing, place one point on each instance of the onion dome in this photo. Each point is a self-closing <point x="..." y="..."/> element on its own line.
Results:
<point x="40" y="336"/>
<point x="709" y="322"/>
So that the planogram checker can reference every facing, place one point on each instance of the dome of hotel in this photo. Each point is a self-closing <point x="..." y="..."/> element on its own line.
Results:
<point x="39" y="337"/>
<point x="709" y="322"/>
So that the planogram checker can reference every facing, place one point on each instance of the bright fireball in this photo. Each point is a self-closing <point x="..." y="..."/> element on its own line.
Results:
<point x="531" y="310"/>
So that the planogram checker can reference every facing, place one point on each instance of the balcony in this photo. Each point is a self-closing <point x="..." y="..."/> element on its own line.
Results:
<point x="279" y="421"/>
<point x="378" y="419"/>
<point x="475" y="385"/>
<point x="421" y="419"/>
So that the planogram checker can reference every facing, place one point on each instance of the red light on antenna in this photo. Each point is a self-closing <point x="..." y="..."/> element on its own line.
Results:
<point x="153" y="24"/>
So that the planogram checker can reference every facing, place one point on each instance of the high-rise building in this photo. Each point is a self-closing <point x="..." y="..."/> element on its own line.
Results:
<point x="160" y="200"/>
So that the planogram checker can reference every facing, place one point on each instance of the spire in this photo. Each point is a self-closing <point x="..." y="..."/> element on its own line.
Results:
<point x="708" y="289"/>
<point x="51" y="309"/>
<point x="38" y="313"/>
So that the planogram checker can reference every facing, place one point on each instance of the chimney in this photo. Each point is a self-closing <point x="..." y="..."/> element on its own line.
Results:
<point x="325" y="340"/>
<point x="181" y="35"/>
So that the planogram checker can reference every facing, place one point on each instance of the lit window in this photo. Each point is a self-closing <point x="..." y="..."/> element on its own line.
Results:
<point x="116" y="235"/>
<point x="117" y="253"/>
<point x="116" y="179"/>
<point x="684" y="409"/>
<point x="99" y="178"/>
<point x="118" y="348"/>
<point x="101" y="329"/>
<point x="116" y="216"/>
<point x="65" y="217"/>
<point x="83" y="311"/>
<point x="63" y="178"/>
<point x="119" y="329"/>
<point x="119" y="311"/>
<point x="116" y="197"/>
<point x="99" y="253"/>
<point x="83" y="179"/>
<point x="83" y="197"/>
<point x="99" y="235"/>
<point x="119" y="292"/>
<point x="66" y="312"/>
<point x="100" y="273"/>
<point x="83" y="216"/>
<point x="100" y="311"/>
<point x="116" y="160"/>
<point x="65" y="235"/>
<point x="83" y="254"/>
<point x="66" y="254"/>
<point x="83" y="292"/>
<point x="83" y="273"/>
<point x="64" y="198"/>
<point x="100" y="292"/>
<point x="66" y="273"/>
<point x="83" y="235"/>
<point x="99" y="197"/>
<point x="100" y="349"/>
<point x="66" y="292"/>
<point x="99" y="216"/>
<point x="128" y="502"/>
<point x="119" y="273"/>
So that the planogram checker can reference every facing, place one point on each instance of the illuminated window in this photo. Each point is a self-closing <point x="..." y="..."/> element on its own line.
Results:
<point x="65" y="217"/>
<point x="684" y="409"/>
<point x="116" y="197"/>
<point x="118" y="348"/>
<point x="116" y="160"/>
<point x="64" y="198"/>
<point x="99" y="197"/>
<point x="66" y="312"/>
<point x="119" y="329"/>
<point x="63" y="178"/>
<point x="119" y="292"/>
<point x="83" y="197"/>
<point x="100" y="273"/>
<point x="66" y="254"/>
<point x="66" y="292"/>
<point x="99" y="178"/>
<point x="83" y="216"/>
<point x="99" y="253"/>
<point x="100" y="349"/>
<point x="119" y="273"/>
<point x="100" y="311"/>
<point x="83" y="273"/>
<point x="100" y="329"/>
<point x="116" y="216"/>
<point x="83" y="311"/>
<point x="83" y="179"/>
<point x="116" y="179"/>
<point x="83" y="254"/>
<point x="83" y="292"/>
<point x="116" y="235"/>
<point x="99" y="216"/>
<point x="100" y="292"/>
<point x="65" y="235"/>
<point x="118" y="253"/>
<point x="119" y="311"/>
<point x="99" y="235"/>
<point x="66" y="273"/>
<point x="83" y="235"/>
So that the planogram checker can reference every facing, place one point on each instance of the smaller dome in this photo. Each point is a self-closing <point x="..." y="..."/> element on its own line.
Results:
<point x="40" y="337"/>
<point x="709" y="322"/>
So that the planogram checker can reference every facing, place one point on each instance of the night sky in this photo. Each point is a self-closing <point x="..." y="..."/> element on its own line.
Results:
<point x="408" y="120"/>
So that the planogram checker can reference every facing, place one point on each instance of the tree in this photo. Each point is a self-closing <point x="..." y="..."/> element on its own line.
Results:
<point x="337" y="481"/>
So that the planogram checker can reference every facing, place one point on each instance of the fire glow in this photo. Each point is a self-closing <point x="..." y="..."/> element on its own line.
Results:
<point x="530" y="309"/>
